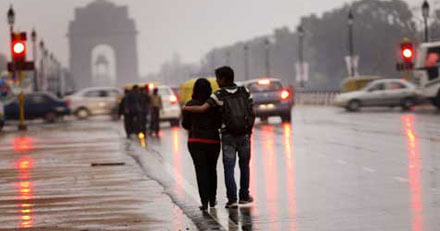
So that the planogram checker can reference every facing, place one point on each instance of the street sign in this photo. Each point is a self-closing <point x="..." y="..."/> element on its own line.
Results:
<point x="302" y="72"/>
<point x="352" y="65"/>
<point x="21" y="66"/>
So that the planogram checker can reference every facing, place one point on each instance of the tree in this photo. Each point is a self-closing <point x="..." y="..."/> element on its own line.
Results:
<point x="379" y="27"/>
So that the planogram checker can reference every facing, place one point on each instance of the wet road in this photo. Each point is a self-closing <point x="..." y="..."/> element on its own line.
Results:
<point x="327" y="170"/>
<point x="47" y="181"/>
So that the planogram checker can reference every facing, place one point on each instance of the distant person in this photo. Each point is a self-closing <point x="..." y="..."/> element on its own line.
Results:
<point x="132" y="110"/>
<point x="236" y="109"/>
<point x="204" y="142"/>
<point x="123" y="112"/>
<point x="145" y="102"/>
<point x="156" y="106"/>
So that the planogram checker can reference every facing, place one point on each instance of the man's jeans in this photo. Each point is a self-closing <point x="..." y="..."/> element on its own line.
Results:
<point x="230" y="146"/>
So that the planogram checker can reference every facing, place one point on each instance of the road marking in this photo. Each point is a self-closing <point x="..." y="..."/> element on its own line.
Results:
<point x="400" y="179"/>
<point x="343" y="162"/>
<point x="370" y="170"/>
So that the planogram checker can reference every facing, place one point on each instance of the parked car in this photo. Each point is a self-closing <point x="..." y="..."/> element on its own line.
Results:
<point x="384" y="92"/>
<point x="38" y="105"/>
<point x="94" y="101"/>
<point x="2" y="118"/>
<point x="171" y="109"/>
<point x="271" y="98"/>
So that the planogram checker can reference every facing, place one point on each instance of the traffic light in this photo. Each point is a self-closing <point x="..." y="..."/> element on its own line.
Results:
<point x="407" y="51"/>
<point x="18" y="51"/>
<point x="18" y="47"/>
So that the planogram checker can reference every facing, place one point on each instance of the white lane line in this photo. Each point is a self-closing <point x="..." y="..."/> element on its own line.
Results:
<point x="400" y="179"/>
<point x="370" y="170"/>
<point x="342" y="162"/>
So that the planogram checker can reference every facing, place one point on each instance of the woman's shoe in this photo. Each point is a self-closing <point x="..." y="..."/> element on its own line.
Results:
<point x="212" y="203"/>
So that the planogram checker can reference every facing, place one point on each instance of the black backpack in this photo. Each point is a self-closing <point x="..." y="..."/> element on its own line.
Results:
<point x="237" y="112"/>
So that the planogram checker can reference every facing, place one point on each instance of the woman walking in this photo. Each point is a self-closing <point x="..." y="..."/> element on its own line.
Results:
<point x="204" y="143"/>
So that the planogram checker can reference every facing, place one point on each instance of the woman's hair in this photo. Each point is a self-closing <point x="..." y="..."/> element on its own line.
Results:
<point x="202" y="89"/>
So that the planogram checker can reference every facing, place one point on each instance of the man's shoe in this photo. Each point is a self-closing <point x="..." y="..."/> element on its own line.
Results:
<point x="203" y="207"/>
<point x="231" y="205"/>
<point x="247" y="200"/>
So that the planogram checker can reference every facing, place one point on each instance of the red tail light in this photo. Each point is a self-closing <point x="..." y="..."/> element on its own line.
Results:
<point x="68" y="102"/>
<point x="285" y="94"/>
<point x="173" y="99"/>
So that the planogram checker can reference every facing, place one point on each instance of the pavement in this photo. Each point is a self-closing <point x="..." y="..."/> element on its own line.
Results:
<point x="47" y="181"/>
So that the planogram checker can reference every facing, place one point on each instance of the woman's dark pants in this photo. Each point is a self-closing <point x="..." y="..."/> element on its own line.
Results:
<point x="205" y="158"/>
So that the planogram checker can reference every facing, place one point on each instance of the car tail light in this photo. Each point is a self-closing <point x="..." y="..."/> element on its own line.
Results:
<point x="173" y="99"/>
<point x="285" y="94"/>
<point x="68" y="102"/>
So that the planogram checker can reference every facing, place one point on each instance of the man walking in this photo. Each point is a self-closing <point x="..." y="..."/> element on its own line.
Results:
<point x="130" y="106"/>
<point x="145" y="108"/>
<point x="236" y="107"/>
<point x="156" y="106"/>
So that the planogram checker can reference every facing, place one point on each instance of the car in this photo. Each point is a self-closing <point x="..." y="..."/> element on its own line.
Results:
<point x="2" y="118"/>
<point x="94" y="101"/>
<point x="356" y="83"/>
<point x="384" y="92"/>
<point x="38" y="105"/>
<point x="271" y="98"/>
<point x="171" y="108"/>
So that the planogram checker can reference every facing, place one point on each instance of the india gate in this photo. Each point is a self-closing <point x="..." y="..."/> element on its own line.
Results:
<point x="103" y="24"/>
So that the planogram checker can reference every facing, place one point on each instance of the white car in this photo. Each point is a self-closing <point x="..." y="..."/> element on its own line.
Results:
<point x="171" y="109"/>
<point x="383" y="92"/>
<point x="94" y="101"/>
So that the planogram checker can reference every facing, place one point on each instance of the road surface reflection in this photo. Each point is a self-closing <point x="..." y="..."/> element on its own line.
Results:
<point x="414" y="172"/>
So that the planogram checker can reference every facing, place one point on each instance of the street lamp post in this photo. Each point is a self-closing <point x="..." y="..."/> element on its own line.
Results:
<point x="350" y="23"/>
<point x="11" y="19"/>
<point x="266" y="55"/>
<point x="41" y="73"/>
<point x="301" y="54"/>
<point x="425" y="13"/>
<point x="34" y="53"/>
<point x="246" y="61"/>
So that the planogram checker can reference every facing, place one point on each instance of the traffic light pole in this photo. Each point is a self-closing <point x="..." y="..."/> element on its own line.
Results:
<point x="21" y="125"/>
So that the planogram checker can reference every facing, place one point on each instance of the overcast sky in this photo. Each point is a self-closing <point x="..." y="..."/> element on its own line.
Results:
<point x="187" y="27"/>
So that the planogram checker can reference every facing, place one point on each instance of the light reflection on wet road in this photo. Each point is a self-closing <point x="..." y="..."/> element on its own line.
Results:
<point x="331" y="170"/>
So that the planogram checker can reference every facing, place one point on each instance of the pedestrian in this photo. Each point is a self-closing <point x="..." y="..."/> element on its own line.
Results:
<point x="122" y="111"/>
<point x="131" y="107"/>
<point x="236" y="108"/>
<point x="156" y="106"/>
<point x="145" y="102"/>
<point x="204" y="143"/>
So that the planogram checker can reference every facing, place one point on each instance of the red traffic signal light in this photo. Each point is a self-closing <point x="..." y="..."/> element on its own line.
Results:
<point x="407" y="51"/>
<point x="19" y="48"/>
